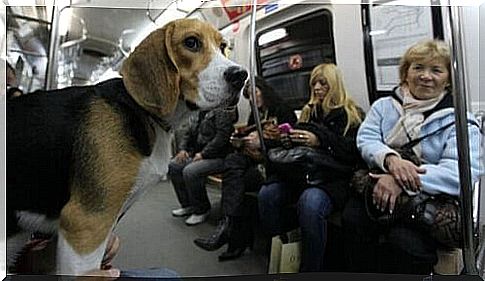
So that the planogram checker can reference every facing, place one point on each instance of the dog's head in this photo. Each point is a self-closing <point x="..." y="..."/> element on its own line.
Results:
<point x="182" y="61"/>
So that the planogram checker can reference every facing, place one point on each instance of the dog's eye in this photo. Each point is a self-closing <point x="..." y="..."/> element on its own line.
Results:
<point x="223" y="47"/>
<point x="193" y="44"/>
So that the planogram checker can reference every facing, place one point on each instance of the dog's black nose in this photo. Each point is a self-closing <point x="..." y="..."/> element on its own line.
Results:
<point x="235" y="76"/>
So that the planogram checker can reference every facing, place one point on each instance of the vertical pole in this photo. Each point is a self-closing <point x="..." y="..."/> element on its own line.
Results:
<point x="51" y="75"/>
<point x="460" y="92"/>
<point x="252" y="73"/>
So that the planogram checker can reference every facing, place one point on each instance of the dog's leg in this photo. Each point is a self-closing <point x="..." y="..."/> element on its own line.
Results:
<point x="104" y="171"/>
<point x="82" y="238"/>
<point x="78" y="263"/>
<point x="83" y="232"/>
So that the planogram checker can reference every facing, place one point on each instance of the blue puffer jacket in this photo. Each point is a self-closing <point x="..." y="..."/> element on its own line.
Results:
<point x="439" y="151"/>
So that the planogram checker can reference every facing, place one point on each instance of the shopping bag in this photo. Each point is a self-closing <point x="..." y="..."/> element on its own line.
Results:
<point x="285" y="253"/>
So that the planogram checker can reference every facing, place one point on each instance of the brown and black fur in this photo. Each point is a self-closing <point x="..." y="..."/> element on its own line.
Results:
<point x="99" y="139"/>
<point x="75" y="155"/>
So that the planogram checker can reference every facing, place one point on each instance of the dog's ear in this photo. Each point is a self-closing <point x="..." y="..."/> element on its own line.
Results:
<point x="150" y="73"/>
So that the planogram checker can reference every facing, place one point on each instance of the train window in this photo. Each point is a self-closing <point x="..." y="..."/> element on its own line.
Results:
<point x="287" y="54"/>
<point x="387" y="37"/>
<point x="28" y="36"/>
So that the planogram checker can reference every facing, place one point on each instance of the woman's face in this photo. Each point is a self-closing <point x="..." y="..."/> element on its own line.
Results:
<point x="427" y="79"/>
<point x="320" y="88"/>
<point x="259" y="98"/>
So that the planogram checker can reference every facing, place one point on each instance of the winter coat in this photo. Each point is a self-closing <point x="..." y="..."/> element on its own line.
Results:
<point x="329" y="129"/>
<point x="208" y="132"/>
<point x="439" y="151"/>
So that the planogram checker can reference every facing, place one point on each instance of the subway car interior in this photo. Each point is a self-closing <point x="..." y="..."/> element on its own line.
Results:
<point x="50" y="45"/>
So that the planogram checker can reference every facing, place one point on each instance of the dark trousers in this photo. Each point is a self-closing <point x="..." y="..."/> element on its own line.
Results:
<point x="189" y="179"/>
<point x="405" y="250"/>
<point x="240" y="175"/>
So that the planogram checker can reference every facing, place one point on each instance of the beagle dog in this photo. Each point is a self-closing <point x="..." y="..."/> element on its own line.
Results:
<point x="78" y="157"/>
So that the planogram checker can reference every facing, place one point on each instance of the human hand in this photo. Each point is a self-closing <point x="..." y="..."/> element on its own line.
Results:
<point x="111" y="250"/>
<point x="36" y="244"/>
<point x="236" y="142"/>
<point x="405" y="172"/>
<point x="271" y="131"/>
<point x="252" y="140"/>
<point x="181" y="156"/>
<point x="303" y="137"/>
<point x="197" y="157"/>
<point x="385" y="192"/>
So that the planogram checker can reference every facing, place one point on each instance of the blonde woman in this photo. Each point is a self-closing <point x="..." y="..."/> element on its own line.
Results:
<point x="329" y="123"/>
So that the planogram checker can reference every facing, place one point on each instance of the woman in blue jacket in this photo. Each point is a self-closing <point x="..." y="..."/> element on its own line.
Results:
<point x="422" y="104"/>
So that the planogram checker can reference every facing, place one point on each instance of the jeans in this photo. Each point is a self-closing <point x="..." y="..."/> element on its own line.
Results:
<point x="188" y="179"/>
<point x="313" y="207"/>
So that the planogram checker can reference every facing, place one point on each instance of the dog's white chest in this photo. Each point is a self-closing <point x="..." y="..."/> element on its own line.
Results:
<point x="152" y="169"/>
<point x="157" y="163"/>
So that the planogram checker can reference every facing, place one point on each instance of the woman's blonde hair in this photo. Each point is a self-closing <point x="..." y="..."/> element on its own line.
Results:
<point x="336" y="97"/>
<point x="427" y="50"/>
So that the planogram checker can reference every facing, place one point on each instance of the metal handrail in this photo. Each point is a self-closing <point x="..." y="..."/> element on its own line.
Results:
<point x="460" y="91"/>
<point x="480" y="115"/>
<point x="480" y="251"/>
<point x="252" y="73"/>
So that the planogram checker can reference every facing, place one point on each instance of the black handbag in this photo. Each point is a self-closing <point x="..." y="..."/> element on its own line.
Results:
<point x="438" y="215"/>
<point x="303" y="161"/>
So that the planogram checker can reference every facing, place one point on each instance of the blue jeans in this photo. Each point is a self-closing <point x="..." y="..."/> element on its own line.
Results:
<point x="313" y="207"/>
<point x="189" y="179"/>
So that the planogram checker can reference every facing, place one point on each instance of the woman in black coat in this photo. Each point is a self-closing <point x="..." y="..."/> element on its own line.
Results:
<point x="241" y="175"/>
<point x="328" y="123"/>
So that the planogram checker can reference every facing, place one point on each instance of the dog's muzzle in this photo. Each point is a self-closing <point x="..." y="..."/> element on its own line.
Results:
<point x="235" y="77"/>
<point x="191" y="106"/>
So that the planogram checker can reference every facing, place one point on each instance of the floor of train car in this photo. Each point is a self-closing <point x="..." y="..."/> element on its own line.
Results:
<point x="152" y="237"/>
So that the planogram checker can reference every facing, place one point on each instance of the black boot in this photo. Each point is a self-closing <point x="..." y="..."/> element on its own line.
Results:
<point x="218" y="238"/>
<point x="240" y="237"/>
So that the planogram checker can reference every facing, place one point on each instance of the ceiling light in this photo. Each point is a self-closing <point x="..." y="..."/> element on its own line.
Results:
<point x="271" y="36"/>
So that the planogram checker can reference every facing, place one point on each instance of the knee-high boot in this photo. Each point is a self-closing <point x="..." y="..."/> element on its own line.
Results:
<point x="241" y="236"/>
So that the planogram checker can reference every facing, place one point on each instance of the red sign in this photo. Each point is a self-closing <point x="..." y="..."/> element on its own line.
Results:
<point x="295" y="62"/>
<point x="235" y="9"/>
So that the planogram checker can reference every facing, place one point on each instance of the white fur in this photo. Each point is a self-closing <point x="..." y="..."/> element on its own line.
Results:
<point x="69" y="262"/>
<point x="152" y="169"/>
<point x="213" y="88"/>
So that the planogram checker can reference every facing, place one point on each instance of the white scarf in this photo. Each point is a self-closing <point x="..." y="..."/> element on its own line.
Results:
<point x="408" y="127"/>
